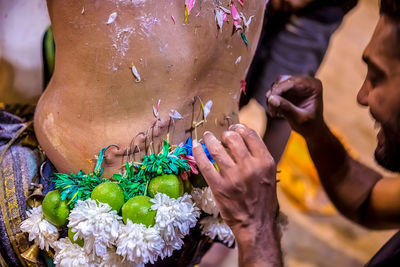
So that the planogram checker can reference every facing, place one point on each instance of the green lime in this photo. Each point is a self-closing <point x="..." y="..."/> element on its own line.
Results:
<point x="138" y="210"/>
<point x="54" y="209"/>
<point x="198" y="180"/>
<point x="168" y="184"/>
<point x="187" y="186"/>
<point x="79" y="241"/>
<point x="110" y="193"/>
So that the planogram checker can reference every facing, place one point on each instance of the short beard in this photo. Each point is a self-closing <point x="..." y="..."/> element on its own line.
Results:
<point x="388" y="156"/>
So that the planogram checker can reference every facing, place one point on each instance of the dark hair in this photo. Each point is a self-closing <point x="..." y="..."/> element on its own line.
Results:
<point x="391" y="8"/>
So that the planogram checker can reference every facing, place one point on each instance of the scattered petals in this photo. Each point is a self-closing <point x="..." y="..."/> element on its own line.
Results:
<point x="219" y="18"/>
<point x="207" y="108"/>
<point x="156" y="109"/>
<point x="40" y="230"/>
<point x="175" y="114"/>
<point x="189" y="4"/>
<point x="243" y="86"/>
<point x="235" y="16"/>
<point x="136" y="74"/>
<point x="241" y="2"/>
<point x="83" y="10"/>
<point x="227" y="11"/>
<point x="173" y="19"/>
<point x="238" y="59"/>
<point x="112" y="18"/>
<point x="247" y="22"/>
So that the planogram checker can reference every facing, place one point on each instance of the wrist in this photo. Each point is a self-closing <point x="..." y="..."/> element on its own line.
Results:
<point x="315" y="133"/>
<point x="259" y="245"/>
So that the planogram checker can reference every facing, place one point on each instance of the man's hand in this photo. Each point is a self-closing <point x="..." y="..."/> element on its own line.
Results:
<point x="299" y="100"/>
<point x="245" y="191"/>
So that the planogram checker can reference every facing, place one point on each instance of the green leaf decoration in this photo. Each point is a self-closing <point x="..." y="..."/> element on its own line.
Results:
<point x="133" y="181"/>
<point x="74" y="187"/>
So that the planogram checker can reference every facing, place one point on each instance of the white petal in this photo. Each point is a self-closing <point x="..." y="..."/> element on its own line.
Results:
<point x="207" y="108"/>
<point x="112" y="18"/>
<point x="175" y="114"/>
<point x="238" y="59"/>
<point x="136" y="74"/>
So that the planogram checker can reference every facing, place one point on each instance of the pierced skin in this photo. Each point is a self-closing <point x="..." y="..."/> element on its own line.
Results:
<point x="93" y="99"/>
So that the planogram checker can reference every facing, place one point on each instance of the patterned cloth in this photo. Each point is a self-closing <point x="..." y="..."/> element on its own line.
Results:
<point x="19" y="163"/>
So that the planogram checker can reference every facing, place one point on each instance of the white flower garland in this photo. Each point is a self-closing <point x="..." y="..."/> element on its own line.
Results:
<point x="69" y="254"/>
<point x="108" y="241"/>
<point x="96" y="224"/>
<point x="215" y="227"/>
<point x="204" y="199"/>
<point x="138" y="243"/>
<point x="174" y="219"/>
<point x="40" y="230"/>
<point x="212" y="226"/>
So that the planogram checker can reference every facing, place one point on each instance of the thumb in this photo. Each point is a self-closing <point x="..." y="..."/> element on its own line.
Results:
<point x="280" y="106"/>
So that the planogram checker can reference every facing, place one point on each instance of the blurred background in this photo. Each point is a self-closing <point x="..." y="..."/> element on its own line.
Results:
<point x="316" y="235"/>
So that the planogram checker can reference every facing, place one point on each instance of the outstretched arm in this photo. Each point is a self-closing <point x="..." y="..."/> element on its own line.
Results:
<point x="358" y="191"/>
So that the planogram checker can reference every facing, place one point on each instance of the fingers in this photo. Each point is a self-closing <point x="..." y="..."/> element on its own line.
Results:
<point x="205" y="166"/>
<point x="236" y="145"/>
<point x="218" y="152"/>
<point x="279" y="106"/>
<point x="283" y="84"/>
<point x="253" y="141"/>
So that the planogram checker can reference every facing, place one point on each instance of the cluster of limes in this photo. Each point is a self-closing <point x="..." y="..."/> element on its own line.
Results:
<point x="137" y="209"/>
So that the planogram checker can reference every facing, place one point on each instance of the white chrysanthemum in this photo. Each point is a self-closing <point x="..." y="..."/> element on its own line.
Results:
<point x="40" y="230"/>
<point x="112" y="259"/>
<point x="204" y="199"/>
<point x="174" y="219"/>
<point x="138" y="243"/>
<point x="69" y="254"/>
<point x="96" y="224"/>
<point x="216" y="227"/>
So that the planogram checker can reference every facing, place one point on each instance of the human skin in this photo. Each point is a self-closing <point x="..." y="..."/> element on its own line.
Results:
<point x="93" y="99"/>
<point x="245" y="192"/>
<point x="359" y="192"/>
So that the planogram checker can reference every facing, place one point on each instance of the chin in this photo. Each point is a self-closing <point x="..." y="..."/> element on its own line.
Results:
<point x="388" y="156"/>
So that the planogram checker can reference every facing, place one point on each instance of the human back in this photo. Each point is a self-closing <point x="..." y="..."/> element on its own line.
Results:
<point x="94" y="99"/>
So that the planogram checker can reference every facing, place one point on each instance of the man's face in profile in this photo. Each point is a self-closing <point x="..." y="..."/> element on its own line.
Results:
<point x="381" y="90"/>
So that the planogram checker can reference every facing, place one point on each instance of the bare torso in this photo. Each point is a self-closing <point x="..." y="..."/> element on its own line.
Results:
<point x="94" y="100"/>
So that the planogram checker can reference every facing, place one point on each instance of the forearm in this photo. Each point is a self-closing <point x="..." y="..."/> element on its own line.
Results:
<point x="259" y="246"/>
<point x="347" y="182"/>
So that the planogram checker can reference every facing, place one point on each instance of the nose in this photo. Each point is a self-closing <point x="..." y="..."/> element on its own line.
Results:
<point x="362" y="96"/>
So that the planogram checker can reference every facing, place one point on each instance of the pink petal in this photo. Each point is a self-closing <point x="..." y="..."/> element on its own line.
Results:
<point x="235" y="13"/>
<point x="224" y="17"/>
<point x="241" y="2"/>
<point x="243" y="86"/>
<point x="190" y="4"/>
